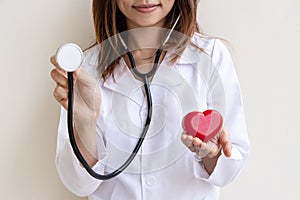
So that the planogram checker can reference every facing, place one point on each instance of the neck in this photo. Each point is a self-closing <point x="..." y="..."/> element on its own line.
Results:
<point x="143" y="43"/>
<point x="145" y="38"/>
<point x="143" y="66"/>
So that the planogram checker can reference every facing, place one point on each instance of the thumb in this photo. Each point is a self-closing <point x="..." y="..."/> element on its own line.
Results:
<point x="84" y="78"/>
<point x="225" y="142"/>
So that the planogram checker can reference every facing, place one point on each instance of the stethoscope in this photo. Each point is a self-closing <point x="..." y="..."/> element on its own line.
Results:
<point x="69" y="57"/>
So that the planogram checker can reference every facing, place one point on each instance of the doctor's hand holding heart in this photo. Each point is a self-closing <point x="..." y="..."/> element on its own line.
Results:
<point x="205" y="135"/>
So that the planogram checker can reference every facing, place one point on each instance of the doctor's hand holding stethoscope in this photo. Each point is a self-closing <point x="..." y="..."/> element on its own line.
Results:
<point x="86" y="111"/>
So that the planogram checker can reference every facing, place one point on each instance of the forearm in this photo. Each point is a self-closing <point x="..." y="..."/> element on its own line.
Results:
<point x="74" y="176"/>
<point x="88" y="148"/>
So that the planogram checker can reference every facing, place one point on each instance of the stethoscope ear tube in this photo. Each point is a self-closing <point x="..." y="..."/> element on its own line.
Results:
<point x="73" y="140"/>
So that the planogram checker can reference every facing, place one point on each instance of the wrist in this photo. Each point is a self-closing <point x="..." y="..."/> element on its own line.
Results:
<point x="198" y="158"/>
<point x="87" y="149"/>
<point x="210" y="163"/>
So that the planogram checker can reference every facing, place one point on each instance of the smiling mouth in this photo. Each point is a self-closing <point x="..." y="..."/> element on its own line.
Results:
<point x="147" y="8"/>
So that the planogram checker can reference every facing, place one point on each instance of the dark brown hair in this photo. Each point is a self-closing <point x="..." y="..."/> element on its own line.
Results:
<point x="110" y="21"/>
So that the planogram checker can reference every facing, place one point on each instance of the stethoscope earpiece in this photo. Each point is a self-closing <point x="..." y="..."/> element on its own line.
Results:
<point x="69" y="57"/>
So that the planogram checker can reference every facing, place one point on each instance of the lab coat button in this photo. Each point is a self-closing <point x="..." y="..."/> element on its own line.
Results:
<point x="151" y="180"/>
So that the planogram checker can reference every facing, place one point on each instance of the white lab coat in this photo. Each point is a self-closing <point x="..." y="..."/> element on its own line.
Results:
<point x="164" y="167"/>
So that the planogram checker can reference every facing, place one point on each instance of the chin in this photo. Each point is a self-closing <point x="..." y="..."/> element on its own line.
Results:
<point x="150" y="23"/>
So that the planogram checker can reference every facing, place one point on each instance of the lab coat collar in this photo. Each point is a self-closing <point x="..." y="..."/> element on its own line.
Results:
<point x="124" y="82"/>
<point x="189" y="56"/>
<point x="93" y="57"/>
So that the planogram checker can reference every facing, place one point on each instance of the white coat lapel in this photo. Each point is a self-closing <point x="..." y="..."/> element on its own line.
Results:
<point x="125" y="84"/>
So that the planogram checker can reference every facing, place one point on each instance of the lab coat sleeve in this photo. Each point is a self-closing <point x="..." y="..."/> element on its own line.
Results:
<point x="228" y="99"/>
<point x="71" y="173"/>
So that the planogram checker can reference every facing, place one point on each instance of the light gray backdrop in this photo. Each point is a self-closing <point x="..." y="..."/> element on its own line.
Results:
<point x="265" y="45"/>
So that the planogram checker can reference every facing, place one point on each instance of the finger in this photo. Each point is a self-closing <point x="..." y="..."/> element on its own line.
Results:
<point x="59" y="77"/>
<point x="189" y="140"/>
<point x="225" y="142"/>
<point x="185" y="140"/>
<point x="192" y="148"/>
<point x="55" y="64"/>
<point x="60" y="92"/>
<point x="61" y="95"/>
<point x="208" y="150"/>
<point x="53" y="60"/>
<point x="197" y="142"/>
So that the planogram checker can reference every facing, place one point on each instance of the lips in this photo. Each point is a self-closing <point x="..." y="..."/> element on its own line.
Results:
<point x="146" y="8"/>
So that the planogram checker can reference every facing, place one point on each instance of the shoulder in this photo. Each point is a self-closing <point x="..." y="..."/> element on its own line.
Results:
<point x="203" y="42"/>
<point x="212" y="46"/>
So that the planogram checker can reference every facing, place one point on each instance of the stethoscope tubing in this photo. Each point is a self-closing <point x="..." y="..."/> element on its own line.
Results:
<point x="150" y="73"/>
<point x="74" y="145"/>
<point x="145" y="77"/>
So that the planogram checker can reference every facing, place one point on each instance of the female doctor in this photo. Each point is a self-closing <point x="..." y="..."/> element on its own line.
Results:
<point x="110" y="107"/>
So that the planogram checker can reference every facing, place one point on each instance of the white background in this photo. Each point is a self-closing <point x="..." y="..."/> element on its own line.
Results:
<point x="264" y="41"/>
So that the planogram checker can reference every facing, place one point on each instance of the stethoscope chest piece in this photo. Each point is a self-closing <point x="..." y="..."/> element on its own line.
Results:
<point x="69" y="57"/>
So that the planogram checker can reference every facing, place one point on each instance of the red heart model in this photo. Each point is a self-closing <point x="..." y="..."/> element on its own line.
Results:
<point x="204" y="125"/>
